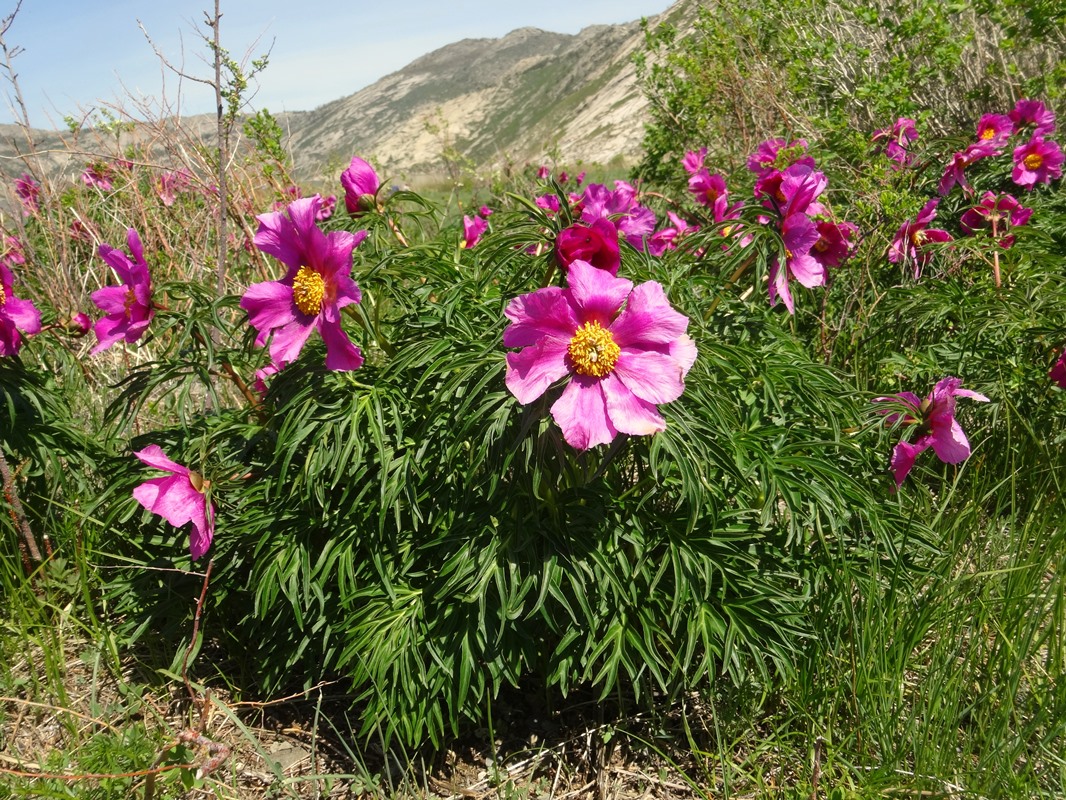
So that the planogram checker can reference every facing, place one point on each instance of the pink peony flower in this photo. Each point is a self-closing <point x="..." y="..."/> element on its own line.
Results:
<point x="1037" y="161"/>
<point x="937" y="426"/>
<point x="312" y="292"/>
<point x="994" y="130"/>
<point x="834" y="243"/>
<point x="29" y="193"/>
<point x="897" y="140"/>
<point x="693" y="160"/>
<point x="1057" y="373"/>
<point x="623" y="349"/>
<point x="361" y="185"/>
<point x="543" y="173"/>
<point x="127" y="308"/>
<point x="473" y="227"/>
<point x="595" y="243"/>
<point x="709" y="190"/>
<point x="484" y="212"/>
<point x="179" y="498"/>
<point x="15" y="315"/>
<point x="912" y="238"/>
<point x="1035" y="113"/>
<point x="998" y="212"/>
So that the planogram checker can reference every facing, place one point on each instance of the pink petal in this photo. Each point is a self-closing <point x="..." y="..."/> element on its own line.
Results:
<point x="950" y="443"/>
<point x="903" y="456"/>
<point x="581" y="413"/>
<point x="595" y="292"/>
<point x="648" y="318"/>
<point x="807" y="270"/>
<point x="628" y="412"/>
<point x="269" y="306"/>
<point x="533" y="369"/>
<point x="172" y="498"/>
<point x="154" y="456"/>
<point x="538" y="314"/>
<point x="24" y="314"/>
<point x="111" y="299"/>
<point x="108" y="330"/>
<point x="651" y="376"/>
<point x="203" y="530"/>
<point x="341" y="354"/>
<point x="289" y="340"/>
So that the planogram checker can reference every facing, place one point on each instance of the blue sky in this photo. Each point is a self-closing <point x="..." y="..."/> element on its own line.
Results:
<point x="79" y="52"/>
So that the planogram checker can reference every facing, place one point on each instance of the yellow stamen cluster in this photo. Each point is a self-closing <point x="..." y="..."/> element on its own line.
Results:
<point x="988" y="132"/>
<point x="308" y="289"/>
<point x="3" y="296"/>
<point x="918" y="237"/>
<point x="1033" y="161"/>
<point x="592" y="350"/>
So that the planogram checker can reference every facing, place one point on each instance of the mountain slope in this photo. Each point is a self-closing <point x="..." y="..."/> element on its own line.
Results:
<point x="527" y="96"/>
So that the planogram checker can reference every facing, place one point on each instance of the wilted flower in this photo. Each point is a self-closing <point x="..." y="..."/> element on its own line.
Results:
<point x="312" y="292"/>
<point x="15" y="315"/>
<point x="912" y="238"/>
<point x="776" y="155"/>
<point x="127" y="308"/>
<point x="954" y="171"/>
<point x="1057" y="372"/>
<point x="897" y="140"/>
<point x="171" y="184"/>
<point x="361" y="185"/>
<point x="98" y="176"/>
<point x="998" y="212"/>
<point x="473" y="227"/>
<point x="325" y="211"/>
<point x="937" y="426"/>
<point x="179" y="498"/>
<point x="1037" y="161"/>
<point x="595" y="243"/>
<point x="623" y="349"/>
<point x="1035" y="113"/>
<point x="29" y="193"/>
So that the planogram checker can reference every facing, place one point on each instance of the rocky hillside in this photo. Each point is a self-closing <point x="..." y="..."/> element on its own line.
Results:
<point x="527" y="96"/>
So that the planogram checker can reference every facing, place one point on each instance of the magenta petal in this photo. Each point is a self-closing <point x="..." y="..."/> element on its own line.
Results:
<point x="651" y="376"/>
<point x="341" y="354"/>
<point x="628" y="412"/>
<point x="347" y="291"/>
<point x="24" y="314"/>
<point x="111" y="299"/>
<point x="648" y="318"/>
<point x="154" y="456"/>
<point x="289" y="340"/>
<point x="950" y="443"/>
<point x="269" y="305"/>
<point x="539" y="314"/>
<point x="108" y="330"/>
<point x="596" y="293"/>
<point x="203" y="530"/>
<point x="581" y="413"/>
<point x="807" y="270"/>
<point x="903" y="456"/>
<point x="173" y="498"/>
<point x="533" y="369"/>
